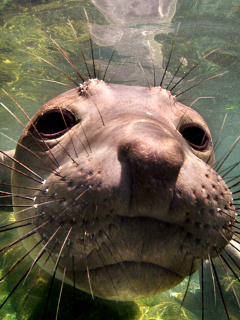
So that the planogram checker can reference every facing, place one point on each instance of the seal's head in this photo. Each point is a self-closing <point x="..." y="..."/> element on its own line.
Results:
<point x="122" y="183"/>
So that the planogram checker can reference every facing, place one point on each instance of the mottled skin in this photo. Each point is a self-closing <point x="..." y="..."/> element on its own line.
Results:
<point x="143" y="205"/>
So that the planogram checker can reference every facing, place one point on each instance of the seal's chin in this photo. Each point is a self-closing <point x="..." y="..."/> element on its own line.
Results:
<point x="129" y="280"/>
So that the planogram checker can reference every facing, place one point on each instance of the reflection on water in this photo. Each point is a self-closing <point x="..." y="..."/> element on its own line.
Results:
<point x="139" y="31"/>
<point x="133" y="25"/>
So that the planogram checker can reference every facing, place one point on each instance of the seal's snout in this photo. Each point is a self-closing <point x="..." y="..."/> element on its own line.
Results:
<point x="153" y="152"/>
<point x="154" y="156"/>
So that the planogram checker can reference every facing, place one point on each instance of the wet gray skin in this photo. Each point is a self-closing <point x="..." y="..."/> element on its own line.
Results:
<point x="126" y="185"/>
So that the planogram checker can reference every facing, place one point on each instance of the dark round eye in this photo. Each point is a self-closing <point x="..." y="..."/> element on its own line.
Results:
<point x="54" y="123"/>
<point x="195" y="136"/>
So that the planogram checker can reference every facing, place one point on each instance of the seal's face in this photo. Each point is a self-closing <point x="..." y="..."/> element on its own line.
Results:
<point x="126" y="187"/>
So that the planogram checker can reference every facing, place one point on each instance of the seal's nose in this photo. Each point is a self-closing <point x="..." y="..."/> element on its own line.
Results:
<point x="153" y="152"/>
<point x="154" y="157"/>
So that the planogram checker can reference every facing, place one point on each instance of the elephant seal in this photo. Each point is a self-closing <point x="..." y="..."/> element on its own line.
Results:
<point x="121" y="180"/>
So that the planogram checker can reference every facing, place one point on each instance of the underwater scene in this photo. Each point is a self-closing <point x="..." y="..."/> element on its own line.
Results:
<point x="120" y="201"/>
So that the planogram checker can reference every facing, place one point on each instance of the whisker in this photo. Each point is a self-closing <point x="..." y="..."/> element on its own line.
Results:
<point x="210" y="78"/>
<point x="30" y="233"/>
<point x="202" y="287"/>
<point x="186" y="290"/>
<point x="29" y="205"/>
<point x="218" y="137"/>
<point x="108" y="64"/>
<point x="175" y="74"/>
<point x="230" y="282"/>
<point x="237" y="277"/>
<point x="170" y="55"/>
<point x="91" y="43"/>
<point x="36" y="279"/>
<point x="30" y="121"/>
<point x="195" y="99"/>
<point x="14" y="288"/>
<point x="95" y="106"/>
<point x="85" y="149"/>
<point x="230" y="241"/>
<point x="233" y="239"/>
<point x="233" y="186"/>
<point x="20" y="260"/>
<point x="88" y="275"/>
<point x="23" y="196"/>
<point x="121" y="258"/>
<point x="237" y="191"/>
<point x="80" y="47"/>
<point x="16" y="227"/>
<point x="233" y="232"/>
<point x="65" y="151"/>
<point x="64" y="54"/>
<point x="199" y="98"/>
<point x="69" y="133"/>
<point x="16" y="205"/>
<point x="50" y="290"/>
<point x="60" y="252"/>
<point x="220" y="289"/>
<point x="86" y="139"/>
<point x="6" y="196"/>
<point x="42" y="249"/>
<point x="81" y="194"/>
<point x="17" y="221"/>
<point x="22" y="173"/>
<point x="213" y="278"/>
<point x="54" y="273"/>
<point x="32" y="152"/>
<point x="60" y="293"/>
<point x="51" y="64"/>
<point x="104" y="265"/>
<point x="17" y="195"/>
<point x="74" y="287"/>
<point x="196" y="64"/>
<point x="99" y="63"/>
<point x="153" y="65"/>
<point x="229" y="169"/>
<point x="229" y="151"/>
<point x="224" y="212"/>
<point x="20" y="187"/>
<point x="113" y="75"/>
<point x="172" y="261"/>
<point x="57" y="82"/>
<point x="121" y="267"/>
<point x="145" y="76"/>
<point x="215" y="146"/>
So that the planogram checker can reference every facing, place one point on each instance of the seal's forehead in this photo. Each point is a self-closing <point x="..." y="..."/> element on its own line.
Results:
<point x="115" y="99"/>
<point x="95" y="97"/>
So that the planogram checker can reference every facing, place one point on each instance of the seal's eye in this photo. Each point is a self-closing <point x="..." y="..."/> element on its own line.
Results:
<point x="54" y="123"/>
<point x="195" y="136"/>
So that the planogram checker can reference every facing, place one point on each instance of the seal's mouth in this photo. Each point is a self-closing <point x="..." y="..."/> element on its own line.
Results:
<point x="118" y="240"/>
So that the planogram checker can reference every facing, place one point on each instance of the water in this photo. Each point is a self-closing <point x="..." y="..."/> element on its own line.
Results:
<point x="205" y="25"/>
